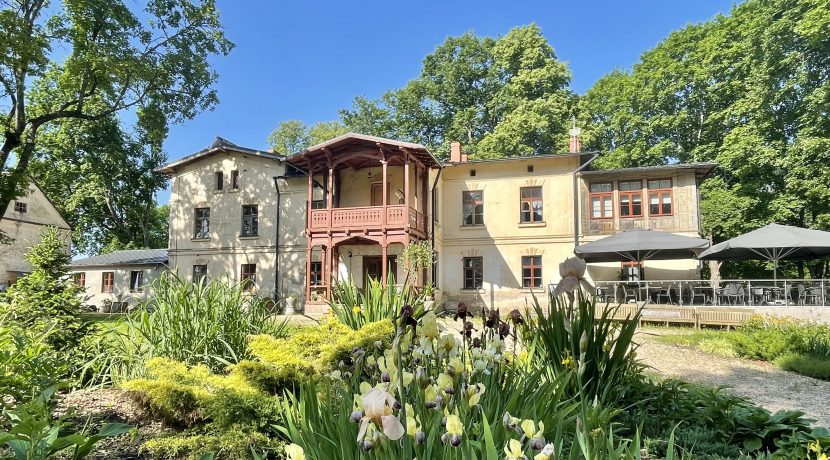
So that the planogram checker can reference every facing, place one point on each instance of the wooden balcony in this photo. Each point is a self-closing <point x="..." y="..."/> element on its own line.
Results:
<point x="366" y="218"/>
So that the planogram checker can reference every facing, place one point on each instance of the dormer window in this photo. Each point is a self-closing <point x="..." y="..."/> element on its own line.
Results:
<point x="20" y="207"/>
<point x="219" y="181"/>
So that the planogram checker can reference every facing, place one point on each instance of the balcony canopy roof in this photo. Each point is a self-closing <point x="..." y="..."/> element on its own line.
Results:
<point x="359" y="151"/>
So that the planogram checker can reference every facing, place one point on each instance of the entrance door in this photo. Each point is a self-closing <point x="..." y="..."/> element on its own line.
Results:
<point x="372" y="268"/>
<point x="377" y="193"/>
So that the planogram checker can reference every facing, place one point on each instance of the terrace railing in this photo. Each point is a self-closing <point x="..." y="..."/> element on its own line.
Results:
<point x="746" y="292"/>
<point x="358" y="218"/>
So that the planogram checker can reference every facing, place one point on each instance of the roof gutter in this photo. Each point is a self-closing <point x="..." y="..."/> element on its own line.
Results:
<point x="576" y="197"/>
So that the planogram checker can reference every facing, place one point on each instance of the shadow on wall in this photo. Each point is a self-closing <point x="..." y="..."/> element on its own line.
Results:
<point x="614" y="273"/>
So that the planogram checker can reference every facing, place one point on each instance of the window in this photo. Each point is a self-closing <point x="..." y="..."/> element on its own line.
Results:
<point x="316" y="278"/>
<point x="248" y="278"/>
<point x="531" y="271"/>
<point x="235" y="179"/>
<point x="602" y="201"/>
<point x="659" y="197"/>
<point x="80" y="279"/>
<point x="531" y="206"/>
<point x="631" y="271"/>
<point x="474" y="208"/>
<point x="219" y="183"/>
<point x="107" y="282"/>
<point x="136" y="280"/>
<point x="529" y="168"/>
<point x="473" y="271"/>
<point x="318" y="204"/>
<point x="631" y="198"/>
<point x="201" y="228"/>
<point x="199" y="273"/>
<point x="250" y="220"/>
<point x="20" y="207"/>
<point x="472" y="173"/>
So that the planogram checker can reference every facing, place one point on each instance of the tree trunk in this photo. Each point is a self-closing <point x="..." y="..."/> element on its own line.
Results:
<point x="11" y="183"/>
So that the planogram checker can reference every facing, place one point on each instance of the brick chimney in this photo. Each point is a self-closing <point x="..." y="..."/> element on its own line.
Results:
<point x="573" y="144"/>
<point x="455" y="153"/>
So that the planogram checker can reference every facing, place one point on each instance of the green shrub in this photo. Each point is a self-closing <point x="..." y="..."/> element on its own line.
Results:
<point x="205" y="323"/>
<point x="47" y="299"/>
<point x="310" y="351"/>
<point x="28" y="366"/>
<point x="233" y="444"/>
<point x="184" y="396"/>
<point x="713" y="422"/>
<point x="805" y="365"/>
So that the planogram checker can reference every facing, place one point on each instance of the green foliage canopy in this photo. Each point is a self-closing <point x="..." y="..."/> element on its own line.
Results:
<point x="749" y="91"/>
<point x="499" y="97"/>
<point x="115" y="60"/>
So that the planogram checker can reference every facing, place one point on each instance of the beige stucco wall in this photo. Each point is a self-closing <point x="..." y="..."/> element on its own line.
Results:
<point x="121" y="285"/>
<point x="24" y="229"/>
<point x="225" y="250"/>
<point x="503" y="240"/>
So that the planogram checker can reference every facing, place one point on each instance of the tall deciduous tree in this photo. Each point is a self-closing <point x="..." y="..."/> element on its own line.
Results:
<point x="500" y="97"/>
<point x="107" y="181"/>
<point x="749" y="91"/>
<point x="89" y="59"/>
<point x="292" y="136"/>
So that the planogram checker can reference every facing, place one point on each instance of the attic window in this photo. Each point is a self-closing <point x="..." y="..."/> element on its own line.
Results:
<point x="472" y="173"/>
<point x="529" y="168"/>
<point x="20" y="207"/>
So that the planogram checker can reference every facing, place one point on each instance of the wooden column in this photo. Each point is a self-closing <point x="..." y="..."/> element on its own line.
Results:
<point x="385" y="191"/>
<point x="425" y="200"/>
<point x="406" y="191"/>
<point x="327" y="268"/>
<point x="308" y="272"/>
<point x="384" y="263"/>
<point x="310" y="197"/>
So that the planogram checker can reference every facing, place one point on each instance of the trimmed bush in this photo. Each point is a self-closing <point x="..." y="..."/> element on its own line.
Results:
<point x="231" y="445"/>
<point x="309" y="352"/>
<point x="184" y="396"/>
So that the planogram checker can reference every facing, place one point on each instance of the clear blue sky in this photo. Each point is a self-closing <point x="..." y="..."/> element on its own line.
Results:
<point x="305" y="60"/>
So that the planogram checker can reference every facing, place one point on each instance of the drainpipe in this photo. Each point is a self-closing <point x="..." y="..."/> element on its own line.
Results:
<point x="576" y="198"/>
<point x="434" y="209"/>
<point x="277" y="180"/>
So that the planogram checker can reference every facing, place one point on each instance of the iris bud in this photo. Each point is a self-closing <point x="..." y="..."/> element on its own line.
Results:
<point x="356" y="416"/>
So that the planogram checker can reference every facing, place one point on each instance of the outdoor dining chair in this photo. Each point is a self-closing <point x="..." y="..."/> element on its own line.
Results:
<point x="806" y="296"/>
<point x="733" y="293"/>
<point x="664" y="293"/>
<point x="695" y="294"/>
<point x="629" y="296"/>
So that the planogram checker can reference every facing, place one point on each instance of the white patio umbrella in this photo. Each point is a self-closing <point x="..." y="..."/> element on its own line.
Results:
<point x="773" y="242"/>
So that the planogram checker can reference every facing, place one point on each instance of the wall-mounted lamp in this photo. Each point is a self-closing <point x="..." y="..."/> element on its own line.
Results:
<point x="350" y="254"/>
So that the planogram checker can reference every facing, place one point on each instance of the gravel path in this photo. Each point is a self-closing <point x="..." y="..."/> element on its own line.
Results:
<point x="761" y="382"/>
